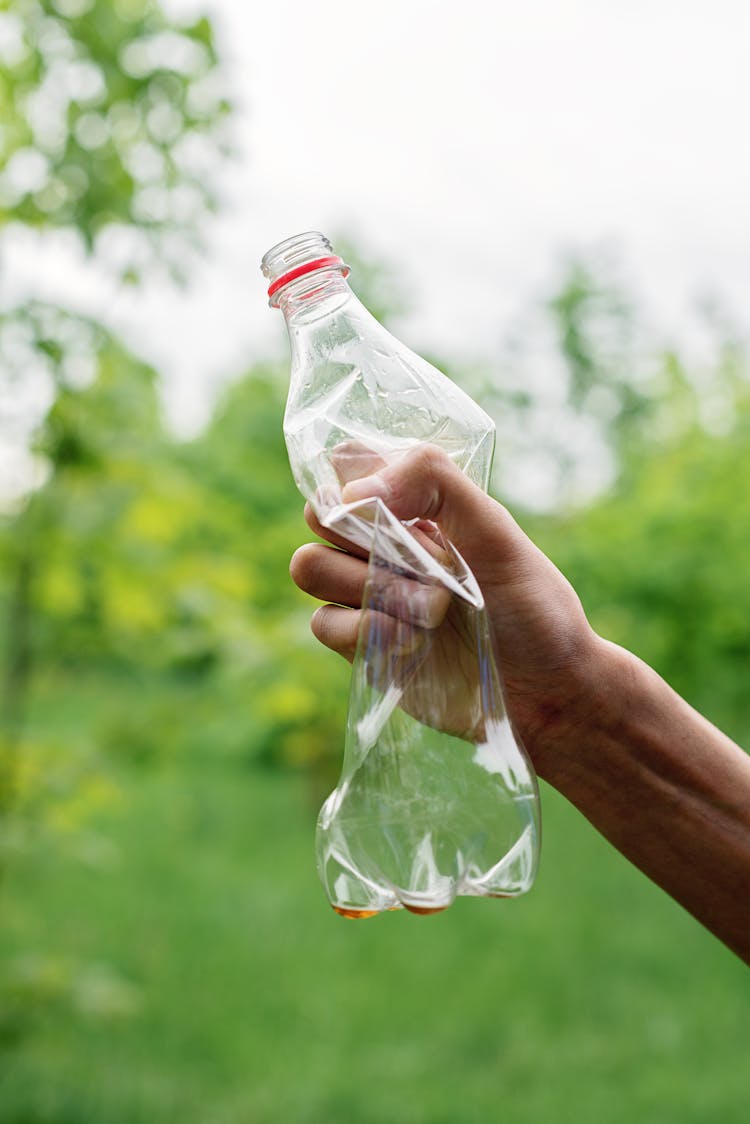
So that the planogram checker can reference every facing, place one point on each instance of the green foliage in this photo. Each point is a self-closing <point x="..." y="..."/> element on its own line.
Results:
<point x="660" y="564"/>
<point x="157" y="558"/>
<point x="111" y="125"/>
<point x="168" y="724"/>
<point x="659" y="558"/>
<point x="375" y="281"/>
<point x="112" y="119"/>
<point x="166" y="945"/>
<point x="594" y="328"/>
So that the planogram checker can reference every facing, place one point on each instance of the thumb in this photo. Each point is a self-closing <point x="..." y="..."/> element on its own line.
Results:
<point x="426" y="484"/>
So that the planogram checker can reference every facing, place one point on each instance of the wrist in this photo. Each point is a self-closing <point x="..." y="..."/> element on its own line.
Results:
<point x="600" y="701"/>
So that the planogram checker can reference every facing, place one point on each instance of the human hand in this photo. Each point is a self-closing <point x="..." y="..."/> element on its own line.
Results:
<point x="549" y="656"/>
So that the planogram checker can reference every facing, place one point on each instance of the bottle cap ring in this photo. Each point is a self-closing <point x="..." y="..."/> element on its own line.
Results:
<point x="332" y="262"/>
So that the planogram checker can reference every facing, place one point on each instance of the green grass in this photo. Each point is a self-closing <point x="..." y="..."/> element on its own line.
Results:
<point x="191" y="971"/>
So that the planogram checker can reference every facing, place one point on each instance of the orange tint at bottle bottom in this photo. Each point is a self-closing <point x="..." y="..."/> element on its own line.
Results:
<point x="362" y="914"/>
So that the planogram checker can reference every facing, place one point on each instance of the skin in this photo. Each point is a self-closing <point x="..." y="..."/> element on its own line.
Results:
<point x="667" y="788"/>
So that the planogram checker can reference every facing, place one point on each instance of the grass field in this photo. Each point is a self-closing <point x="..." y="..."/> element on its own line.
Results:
<point x="177" y="961"/>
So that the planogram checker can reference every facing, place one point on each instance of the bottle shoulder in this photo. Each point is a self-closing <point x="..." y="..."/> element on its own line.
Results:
<point x="354" y="381"/>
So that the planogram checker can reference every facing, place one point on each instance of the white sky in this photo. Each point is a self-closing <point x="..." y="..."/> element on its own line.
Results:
<point x="470" y="143"/>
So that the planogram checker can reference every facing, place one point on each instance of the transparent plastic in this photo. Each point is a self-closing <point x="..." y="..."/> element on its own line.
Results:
<point x="437" y="797"/>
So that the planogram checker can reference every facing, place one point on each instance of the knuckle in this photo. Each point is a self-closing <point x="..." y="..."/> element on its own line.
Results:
<point x="428" y="470"/>
<point x="429" y="459"/>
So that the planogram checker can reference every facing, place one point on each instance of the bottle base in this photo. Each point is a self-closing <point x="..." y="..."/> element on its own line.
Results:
<point x="355" y="914"/>
<point x="364" y="914"/>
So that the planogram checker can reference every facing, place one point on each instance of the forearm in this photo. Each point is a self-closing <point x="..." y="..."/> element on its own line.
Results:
<point x="664" y="786"/>
<point x="668" y="789"/>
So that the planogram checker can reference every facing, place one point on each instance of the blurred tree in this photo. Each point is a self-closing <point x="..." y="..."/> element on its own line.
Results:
<point x="113" y="119"/>
<point x="657" y="554"/>
<point x="660" y="560"/>
<point x="297" y="702"/>
<point x="374" y="279"/>
<point x="113" y="130"/>
<point x="593" y="322"/>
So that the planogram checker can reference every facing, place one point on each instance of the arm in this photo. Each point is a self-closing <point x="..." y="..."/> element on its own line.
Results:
<point x="668" y="789"/>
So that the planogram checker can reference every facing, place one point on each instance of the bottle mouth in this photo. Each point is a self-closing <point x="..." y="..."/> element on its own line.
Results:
<point x="295" y="257"/>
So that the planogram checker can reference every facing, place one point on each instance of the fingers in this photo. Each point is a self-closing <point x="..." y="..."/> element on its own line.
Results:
<point x="352" y="459"/>
<point x="418" y="603"/>
<point x="331" y="575"/>
<point x="337" y="628"/>
<point x="426" y="484"/>
<point x="328" y="574"/>
<point x="322" y="532"/>
<point x="427" y="534"/>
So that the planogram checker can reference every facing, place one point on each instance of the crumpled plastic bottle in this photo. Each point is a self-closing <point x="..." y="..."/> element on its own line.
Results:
<point x="437" y="797"/>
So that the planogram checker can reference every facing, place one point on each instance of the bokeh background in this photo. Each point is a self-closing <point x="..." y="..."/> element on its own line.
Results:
<point x="551" y="202"/>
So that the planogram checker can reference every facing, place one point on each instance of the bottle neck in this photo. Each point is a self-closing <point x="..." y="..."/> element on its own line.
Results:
<point x="313" y="296"/>
<point x="306" y="278"/>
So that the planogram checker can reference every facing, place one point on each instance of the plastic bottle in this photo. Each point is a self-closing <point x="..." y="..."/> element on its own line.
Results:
<point x="437" y="797"/>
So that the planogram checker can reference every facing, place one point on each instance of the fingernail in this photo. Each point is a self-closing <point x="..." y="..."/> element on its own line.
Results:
<point x="366" y="488"/>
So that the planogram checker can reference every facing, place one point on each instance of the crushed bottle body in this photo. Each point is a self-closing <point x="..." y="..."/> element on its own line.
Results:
<point x="437" y="797"/>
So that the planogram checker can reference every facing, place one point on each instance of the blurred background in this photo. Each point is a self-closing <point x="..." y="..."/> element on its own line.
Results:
<point x="550" y="201"/>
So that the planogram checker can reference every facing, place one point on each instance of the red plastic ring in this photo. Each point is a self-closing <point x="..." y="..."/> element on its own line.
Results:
<point x="308" y="267"/>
